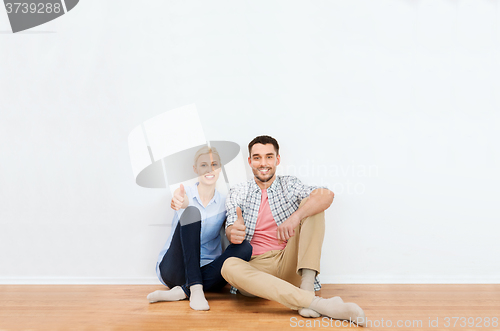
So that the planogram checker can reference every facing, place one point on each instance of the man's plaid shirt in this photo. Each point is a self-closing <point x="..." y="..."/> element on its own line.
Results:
<point x="284" y="195"/>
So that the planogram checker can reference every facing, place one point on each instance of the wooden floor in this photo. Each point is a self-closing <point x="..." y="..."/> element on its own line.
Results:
<point x="124" y="307"/>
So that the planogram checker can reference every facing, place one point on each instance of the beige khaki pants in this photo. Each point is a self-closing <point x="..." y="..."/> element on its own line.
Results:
<point x="275" y="275"/>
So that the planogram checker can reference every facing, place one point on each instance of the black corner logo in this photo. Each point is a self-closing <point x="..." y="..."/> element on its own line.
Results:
<point x="25" y="14"/>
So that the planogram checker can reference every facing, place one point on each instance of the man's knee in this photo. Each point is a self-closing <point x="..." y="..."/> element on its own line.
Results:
<point x="190" y="215"/>
<point x="229" y="265"/>
<point x="318" y="218"/>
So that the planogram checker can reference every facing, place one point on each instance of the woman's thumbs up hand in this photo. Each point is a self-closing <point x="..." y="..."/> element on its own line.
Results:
<point x="179" y="198"/>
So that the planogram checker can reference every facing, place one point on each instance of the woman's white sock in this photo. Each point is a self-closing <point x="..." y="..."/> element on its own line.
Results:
<point x="174" y="294"/>
<point x="197" y="299"/>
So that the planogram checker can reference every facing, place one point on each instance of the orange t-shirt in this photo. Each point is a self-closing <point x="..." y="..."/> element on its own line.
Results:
<point x="264" y="238"/>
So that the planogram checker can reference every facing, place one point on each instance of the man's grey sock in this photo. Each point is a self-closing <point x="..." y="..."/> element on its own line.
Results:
<point x="307" y="284"/>
<point x="339" y="310"/>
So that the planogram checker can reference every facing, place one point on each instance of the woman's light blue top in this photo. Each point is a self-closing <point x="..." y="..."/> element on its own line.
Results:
<point x="212" y="217"/>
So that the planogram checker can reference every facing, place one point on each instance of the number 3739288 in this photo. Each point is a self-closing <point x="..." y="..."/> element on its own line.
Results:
<point x="471" y="322"/>
<point x="33" y="8"/>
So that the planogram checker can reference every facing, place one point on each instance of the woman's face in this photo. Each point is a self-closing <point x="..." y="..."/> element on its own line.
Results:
<point x="208" y="168"/>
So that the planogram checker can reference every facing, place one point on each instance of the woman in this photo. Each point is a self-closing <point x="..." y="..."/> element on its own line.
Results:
<point x="191" y="260"/>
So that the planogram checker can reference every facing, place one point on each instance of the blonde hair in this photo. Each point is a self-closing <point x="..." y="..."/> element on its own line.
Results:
<point x="205" y="150"/>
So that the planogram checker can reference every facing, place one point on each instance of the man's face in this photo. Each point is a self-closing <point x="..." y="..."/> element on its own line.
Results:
<point x="263" y="161"/>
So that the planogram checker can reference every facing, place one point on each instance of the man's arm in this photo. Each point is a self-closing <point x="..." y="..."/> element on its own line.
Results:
<point x="319" y="200"/>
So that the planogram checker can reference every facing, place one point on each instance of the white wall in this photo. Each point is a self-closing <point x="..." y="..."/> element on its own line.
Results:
<point x="392" y="104"/>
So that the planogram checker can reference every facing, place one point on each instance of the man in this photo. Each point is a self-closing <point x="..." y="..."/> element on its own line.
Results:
<point x="284" y="221"/>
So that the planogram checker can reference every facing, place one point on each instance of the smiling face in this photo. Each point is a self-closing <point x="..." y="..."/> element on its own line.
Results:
<point x="207" y="168"/>
<point x="263" y="161"/>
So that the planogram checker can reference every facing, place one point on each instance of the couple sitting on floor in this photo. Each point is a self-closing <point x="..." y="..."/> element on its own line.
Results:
<point x="275" y="225"/>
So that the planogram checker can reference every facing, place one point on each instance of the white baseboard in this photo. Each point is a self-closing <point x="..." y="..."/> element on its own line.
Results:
<point x="354" y="279"/>
<point x="79" y="281"/>
<point x="417" y="279"/>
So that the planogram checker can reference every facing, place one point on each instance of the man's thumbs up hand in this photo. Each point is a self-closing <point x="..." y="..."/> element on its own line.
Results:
<point x="238" y="228"/>
<point x="179" y="198"/>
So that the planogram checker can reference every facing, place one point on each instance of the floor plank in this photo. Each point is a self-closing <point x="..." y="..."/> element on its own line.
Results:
<point x="124" y="307"/>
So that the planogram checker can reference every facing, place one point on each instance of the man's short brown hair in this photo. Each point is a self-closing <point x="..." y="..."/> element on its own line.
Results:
<point x="264" y="140"/>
